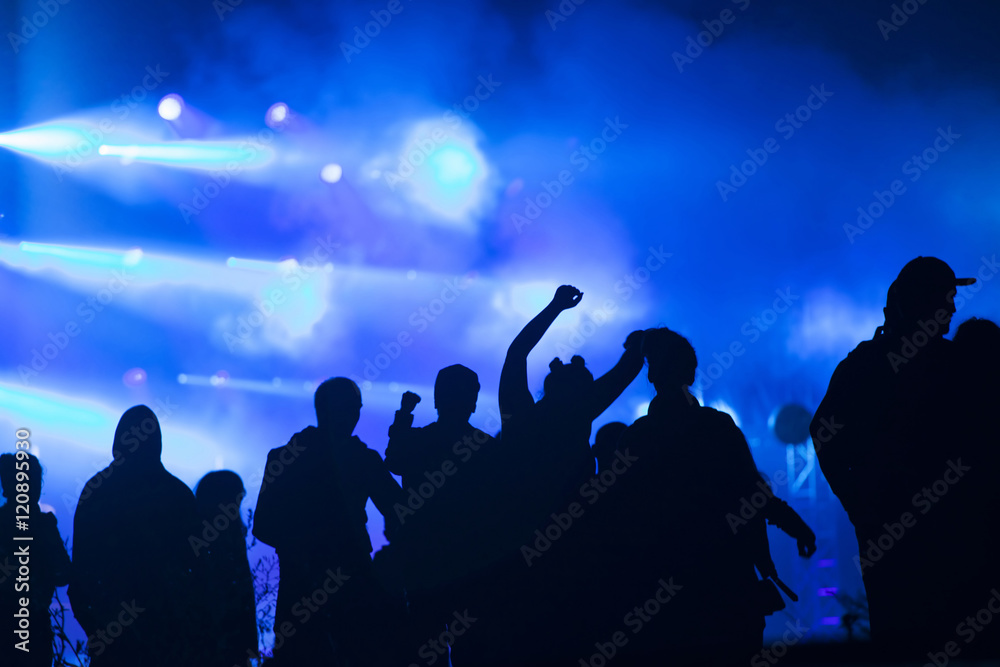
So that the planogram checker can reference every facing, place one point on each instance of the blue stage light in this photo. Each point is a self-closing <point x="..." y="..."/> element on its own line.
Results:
<point x="53" y="140"/>
<point x="191" y="154"/>
<point x="453" y="166"/>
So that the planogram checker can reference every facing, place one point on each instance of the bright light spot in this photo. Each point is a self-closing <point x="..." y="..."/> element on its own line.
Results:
<point x="393" y="387"/>
<point x="277" y="114"/>
<point x="642" y="410"/>
<point x="331" y="173"/>
<point x="453" y="166"/>
<point x="411" y="275"/>
<point x="170" y="107"/>
<point x="182" y="378"/>
<point x="134" y="377"/>
<point x="132" y="257"/>
<point x="45" y="507"/>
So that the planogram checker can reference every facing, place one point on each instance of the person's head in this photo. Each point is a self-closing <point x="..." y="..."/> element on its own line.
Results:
<point x="568" y="384"/>
<point x="219" y="494"/>
<point x="338" y="406"/>
<point x="456" y="391"/>
<point x="924" y="291"/>
<point x="606" y="441"/>
<point x="979" y="338"/>
<point x="9" y="476"/>
<point x="670" y="359"/>
<point x="138" y="442"/>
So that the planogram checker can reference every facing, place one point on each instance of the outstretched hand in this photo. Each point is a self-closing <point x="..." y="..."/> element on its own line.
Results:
<point x="567" y="297"/>
<point x="409" y="401"/>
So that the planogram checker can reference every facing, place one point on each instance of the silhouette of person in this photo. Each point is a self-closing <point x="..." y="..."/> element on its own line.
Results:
<point x="545" y="457"/>
<point x="135" y="579"/>
<point x="311" y="509"/>
<point x="884" y="434"/>
<point x="38" y="545"/>
<point x="228" y="581"/>
<point x="554" y="433"/>
<point x="977" y="341"/>
<point x="690" y="468"/>
<point x="432" y="461"/>
<point x="416" y="453"/>
<point x="606" y="443"/>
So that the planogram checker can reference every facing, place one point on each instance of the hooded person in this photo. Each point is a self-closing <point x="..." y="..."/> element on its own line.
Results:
<point x="134" y="584"/>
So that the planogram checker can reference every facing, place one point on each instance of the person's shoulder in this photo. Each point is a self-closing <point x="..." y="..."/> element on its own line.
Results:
<point x="297" y="443"/>
<point x="715" y="417"/>
<point x="177" y="487"/>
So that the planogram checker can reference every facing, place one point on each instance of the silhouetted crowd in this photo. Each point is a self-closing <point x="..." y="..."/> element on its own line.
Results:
<point x="532" y="546"/>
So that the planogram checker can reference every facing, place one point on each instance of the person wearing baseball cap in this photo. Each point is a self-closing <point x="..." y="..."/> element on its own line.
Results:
<point x="923" y="288"/>
<point x="889" y="425"/>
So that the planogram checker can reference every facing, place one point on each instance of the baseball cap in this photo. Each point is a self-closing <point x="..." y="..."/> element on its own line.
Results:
<point x="922" y="281"/>
<point x="925" y="275"/>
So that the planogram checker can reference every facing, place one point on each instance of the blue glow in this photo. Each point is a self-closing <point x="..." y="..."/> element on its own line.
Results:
<point x="52" y="140"/>
<point x="86" y="256"/>
<point x="191" y="154"/>
<point x="35" y="407"/>
<point x="453" y="167"/>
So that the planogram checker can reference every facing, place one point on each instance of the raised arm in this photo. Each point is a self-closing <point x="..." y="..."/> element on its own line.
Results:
<point x="400" y="453"/>
<point x="610" y="386"/>
<point x="515" y="396"/>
